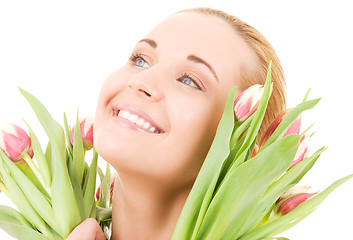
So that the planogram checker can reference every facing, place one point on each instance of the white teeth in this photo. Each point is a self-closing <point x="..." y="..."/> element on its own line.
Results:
<point x="140" y="122"/>
<point x="137" y="120"/>
<point x="133" y="118"/>
<point x="146" y="125"/>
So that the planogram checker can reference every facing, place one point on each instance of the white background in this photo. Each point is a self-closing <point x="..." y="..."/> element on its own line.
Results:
<point x="61" y="52"/>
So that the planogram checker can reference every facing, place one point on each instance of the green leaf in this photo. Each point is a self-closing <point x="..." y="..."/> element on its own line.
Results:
<point x="298" y="213"/>
<point x="21" y="232"/>
<point x="42" y="162"/>
<point x="20" y="199"/>
<point x="34" y="196"/>
<point x="253" y="130"/>
<point x="77" y="189"/>
<point x="233" y="202"/>
<point x="104" y="214"/>
<point x="64" y="204"/>
<point x="288" y="119"/>
<point x="104" y="198"/>
<point x="48" y="156"/>
<point x="218" y="152"/>
<point x="10" y="215"/>
<point x="286" y="181"/>
<point x="78" y="151"/>
<point x="33" y="178"/>
<point x="67" y="133"/>
<point x="91" y="185"/>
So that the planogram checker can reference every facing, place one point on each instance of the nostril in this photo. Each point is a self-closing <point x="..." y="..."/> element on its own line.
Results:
<point x="147" y="94"/>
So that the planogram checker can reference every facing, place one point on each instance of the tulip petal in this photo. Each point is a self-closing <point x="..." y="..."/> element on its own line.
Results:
<point x="288" y="119"/>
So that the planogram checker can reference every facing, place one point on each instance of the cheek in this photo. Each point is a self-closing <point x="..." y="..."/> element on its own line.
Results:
<point x="194" y="127"/>
<point x="112" y="86"/>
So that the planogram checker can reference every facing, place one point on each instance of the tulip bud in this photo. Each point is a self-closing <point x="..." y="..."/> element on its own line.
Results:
<point x="112" y="183"/>
<point x="293" y="129"/>
<point x="247" y="102"/>
<point x="302" y="151"/>
<point x="14" y="142"/>
<point x="86" y="126"/>
<point x="292" y="198"/>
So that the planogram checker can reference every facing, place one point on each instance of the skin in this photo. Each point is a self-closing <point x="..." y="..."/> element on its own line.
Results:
<point x="156" y="171"/>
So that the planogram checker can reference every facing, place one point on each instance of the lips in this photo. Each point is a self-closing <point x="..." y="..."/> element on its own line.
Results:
<point x="136" y="118"/>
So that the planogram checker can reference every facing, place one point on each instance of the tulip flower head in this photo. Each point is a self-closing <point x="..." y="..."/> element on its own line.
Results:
<point x="293" y="129"/>
<point x="302" y="151"/>
<point x="112" y="184"/>
<point x="247" y="102"/>
<point x="292" y="198"/>
<point x="86" y="126"/>
<point x="14" y="142"/>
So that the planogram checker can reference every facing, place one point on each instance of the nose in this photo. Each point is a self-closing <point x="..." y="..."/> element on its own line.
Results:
<point x="146" y="85"/>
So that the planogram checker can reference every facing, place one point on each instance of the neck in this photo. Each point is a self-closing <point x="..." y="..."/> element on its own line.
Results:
<point x="144" y="210"/>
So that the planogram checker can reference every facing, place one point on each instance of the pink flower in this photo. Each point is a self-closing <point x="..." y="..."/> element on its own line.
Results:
<point x="14" y="142"/>
<point x="112" y="183"/>
<point x="86" y="126"/>
<point x="303" y="150"/>
<point x="292" y="198"/>
<point x="247" y="102"/>
<point x="293" y="129"/>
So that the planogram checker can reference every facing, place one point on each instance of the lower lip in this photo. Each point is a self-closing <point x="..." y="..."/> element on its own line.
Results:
<point x="127" y="124"/>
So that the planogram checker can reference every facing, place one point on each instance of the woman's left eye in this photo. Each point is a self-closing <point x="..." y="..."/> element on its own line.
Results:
<point x="187" y="80"/>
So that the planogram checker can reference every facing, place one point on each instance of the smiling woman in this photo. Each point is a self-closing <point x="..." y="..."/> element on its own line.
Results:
<point x="156" y="116"/>
<point x="171" y="87"/>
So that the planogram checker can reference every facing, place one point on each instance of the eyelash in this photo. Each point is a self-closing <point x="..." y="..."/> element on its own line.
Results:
<point x="190" y="76"/>
<point x="136" y="56"/>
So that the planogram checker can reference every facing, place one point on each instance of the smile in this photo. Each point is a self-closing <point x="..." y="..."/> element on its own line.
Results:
<point x="140" y="122"/>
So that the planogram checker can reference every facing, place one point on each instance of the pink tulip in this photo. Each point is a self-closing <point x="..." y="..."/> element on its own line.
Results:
<point x="112" y="183"/>
<point x="292" y="198"/>
<point x="303" y="150"/>
<point x="86" y="125"/>
<point x="15" y="142"/>
<point x="293" y="129"/>
<point x="247" y="102"/>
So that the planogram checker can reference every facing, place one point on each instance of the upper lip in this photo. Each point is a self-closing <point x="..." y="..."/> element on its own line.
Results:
<point x="138" y="112"/>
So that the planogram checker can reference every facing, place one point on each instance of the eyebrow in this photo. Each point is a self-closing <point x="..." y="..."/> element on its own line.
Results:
<point x="200" y="60"/>
<point x="151" y="42"/>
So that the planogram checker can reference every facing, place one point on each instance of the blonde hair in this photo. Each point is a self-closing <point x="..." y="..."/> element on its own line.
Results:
<point x="265" y="53"/>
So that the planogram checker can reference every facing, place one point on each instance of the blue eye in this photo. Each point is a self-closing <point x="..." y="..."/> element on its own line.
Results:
<point x="142" y="63"/>
<point x="138" y="60"/>
<point x="187" y="80"/>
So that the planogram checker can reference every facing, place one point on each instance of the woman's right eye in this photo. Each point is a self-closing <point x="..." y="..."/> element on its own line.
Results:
<point x="139" y="61"/>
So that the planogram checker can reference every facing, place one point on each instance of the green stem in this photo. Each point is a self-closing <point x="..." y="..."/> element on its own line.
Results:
<point x="36" y="171"/>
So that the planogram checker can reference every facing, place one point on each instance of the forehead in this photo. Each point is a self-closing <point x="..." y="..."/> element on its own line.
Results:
<point x="208" y="37"/>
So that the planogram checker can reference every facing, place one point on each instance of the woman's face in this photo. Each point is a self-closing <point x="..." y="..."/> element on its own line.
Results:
<point x="157" y="115"/>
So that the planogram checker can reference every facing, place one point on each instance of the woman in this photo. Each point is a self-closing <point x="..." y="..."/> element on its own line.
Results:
<point x="156" y="116"/>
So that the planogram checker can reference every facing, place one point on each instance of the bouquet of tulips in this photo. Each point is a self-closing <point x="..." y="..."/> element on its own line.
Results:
<point x="57" y="193"/>
<point x="243" y="191"/>
<point x="249" y="192"/>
